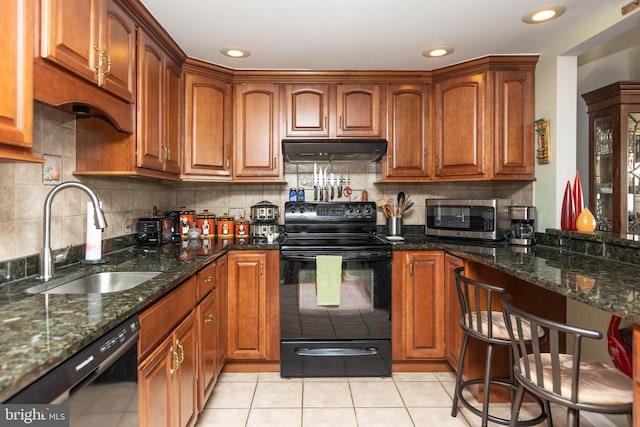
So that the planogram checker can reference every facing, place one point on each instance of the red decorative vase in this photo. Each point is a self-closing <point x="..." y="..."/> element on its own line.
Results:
<point x="567" y="219"/>
<point x="577" y="196"/>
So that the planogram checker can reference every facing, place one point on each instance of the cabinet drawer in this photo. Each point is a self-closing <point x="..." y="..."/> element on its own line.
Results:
<point x="157" y="321"/>
<point x="206" y="280"/>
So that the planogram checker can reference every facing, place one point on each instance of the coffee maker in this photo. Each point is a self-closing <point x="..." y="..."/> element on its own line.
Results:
<point x="523" y="230"/>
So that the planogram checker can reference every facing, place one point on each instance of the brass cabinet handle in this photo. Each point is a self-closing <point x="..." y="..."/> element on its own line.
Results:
<point x="181" y="348"/>
<point x="209" y="279"/>
<point x="96" y="69"/>
<point x="261" y="268"/>
<point x="341" y="123"/>
<point x="210" y="318"/>
<point x="175" y="361"/>
<point x="108" y="70"/>
<point x="410" y="269"/>
<point x="228" y="163"/>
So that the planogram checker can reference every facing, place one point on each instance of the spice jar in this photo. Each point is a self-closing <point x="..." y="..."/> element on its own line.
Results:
<point x="225" y="226"/>
<point x="242" y="227"/>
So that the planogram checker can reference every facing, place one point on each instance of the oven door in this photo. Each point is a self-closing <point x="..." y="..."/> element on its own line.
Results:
<point x="349" y="339"/>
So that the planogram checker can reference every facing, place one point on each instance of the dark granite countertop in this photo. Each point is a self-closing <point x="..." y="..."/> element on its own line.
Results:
<point x="37" y="332"/>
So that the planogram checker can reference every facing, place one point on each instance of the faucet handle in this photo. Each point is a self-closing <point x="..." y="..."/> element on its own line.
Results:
<point x="61" y="255"/>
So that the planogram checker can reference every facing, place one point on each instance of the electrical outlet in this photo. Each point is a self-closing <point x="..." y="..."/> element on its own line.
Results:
<point x="128" y="221"/>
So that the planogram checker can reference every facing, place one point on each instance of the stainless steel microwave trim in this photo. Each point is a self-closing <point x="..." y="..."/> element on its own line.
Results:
<point x="333" y="150"/>
<point x="501" y="225"/>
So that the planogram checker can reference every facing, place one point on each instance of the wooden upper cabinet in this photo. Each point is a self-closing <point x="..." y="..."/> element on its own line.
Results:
<point x="514" y="116"/>
<point x="460" y="127"/>
<point x="358" y="110"/>
<point x="16" y="80"/>
<point x="209" y="126"/>
<point x="409" y="131"/>
<point x="334" y="110"/>
<point x="257" y="132"/>
<point x="94" y="39"/>
<point x="158" y="108"/>
<point x="307" y="110"/>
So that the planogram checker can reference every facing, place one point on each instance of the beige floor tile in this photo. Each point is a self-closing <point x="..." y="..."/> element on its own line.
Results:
<point x="223" y="418"/>
<point x="375" y="395"/>
<point x="325" y="379"/>
<point x="414" y="376"/>
<point x="327" y="395"/>
<point x="383" y="417"/>
<point x="329" y="417"/>
<point x="445" y="376"/>
<point x="275" y="377"/>
<point x="424" y="394"/>
<point x="449" y="386"/>
<point x="436" y="417"/>
<point x="232" y="395"/>
<point x="370" y="379"/>
<point x="278" y="395"/>
<point x="280" y="417"/>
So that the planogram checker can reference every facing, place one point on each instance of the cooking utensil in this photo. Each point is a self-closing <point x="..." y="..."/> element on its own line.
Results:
<point x="400" y="203"/>
<point x="332" y="183"/>
<point x="326" y="184"/>
<point x="315" y="181"/>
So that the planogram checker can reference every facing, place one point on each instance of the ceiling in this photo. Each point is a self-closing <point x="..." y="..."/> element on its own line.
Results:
<point x="365" y="34"/>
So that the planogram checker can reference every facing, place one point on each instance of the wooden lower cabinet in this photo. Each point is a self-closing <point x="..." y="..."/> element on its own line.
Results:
<point x="167" y="379"/>
<point x="418" y="305"/>
<point x="452" y="330"/>
<point x="253" y="320"/>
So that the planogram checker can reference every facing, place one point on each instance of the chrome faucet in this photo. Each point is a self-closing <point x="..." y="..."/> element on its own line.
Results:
<point x="46" y="262"/>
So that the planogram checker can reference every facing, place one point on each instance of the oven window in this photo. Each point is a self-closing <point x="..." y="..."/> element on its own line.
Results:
<point x="365" y="301"/>
<point x="356" y="293"/>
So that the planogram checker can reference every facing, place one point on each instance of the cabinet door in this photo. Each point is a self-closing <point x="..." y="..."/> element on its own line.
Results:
<point x="149" y="106"/>
<point x="358" y="110"/>
<point x="221" y="324"/>
<point x="452" y="331"/>
<point x="257" y="141"/>
<point x="155" y="386"/>
<point x="70" y="34"/>
<point x="514" y="151"/>
<point x="307" y="110"/>
<point x="119" y="43"/>
<point x="16" y="78"/>
<point x="459" y="128"/>
<point x="209" y="123"/>
<point x="408" y="131"/>
<point x="423" y="305"/>
<point x="186" y="376"/>
<point x="207" y="347"/>
<point x="247" y="310"/>
<point x="172" y="117"/>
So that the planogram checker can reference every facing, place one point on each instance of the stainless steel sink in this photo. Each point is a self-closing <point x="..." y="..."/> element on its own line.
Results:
<point x="100" y="283"/>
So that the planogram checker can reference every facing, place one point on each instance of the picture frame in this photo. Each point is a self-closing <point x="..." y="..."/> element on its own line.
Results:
<point x="543" y="146"/>
<point x="52" y="171"/>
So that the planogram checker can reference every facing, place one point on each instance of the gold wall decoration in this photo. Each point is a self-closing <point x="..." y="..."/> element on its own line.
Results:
<point x="543" y="146"/>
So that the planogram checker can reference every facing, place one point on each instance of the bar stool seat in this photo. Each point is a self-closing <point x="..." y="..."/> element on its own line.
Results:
<point x="479" y="321"/>
<point x="564" y="379"/>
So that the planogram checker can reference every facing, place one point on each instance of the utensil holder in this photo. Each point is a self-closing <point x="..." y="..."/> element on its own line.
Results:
<point x="394" y="226"/>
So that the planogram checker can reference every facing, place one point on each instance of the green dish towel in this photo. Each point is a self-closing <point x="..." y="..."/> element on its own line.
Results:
<point x="328" y="279"/>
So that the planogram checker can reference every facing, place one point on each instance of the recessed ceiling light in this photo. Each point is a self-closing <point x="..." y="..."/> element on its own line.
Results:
<point x="543" y="14"/>
<point x="437" y="52"/>
<point x="235" y="52"/>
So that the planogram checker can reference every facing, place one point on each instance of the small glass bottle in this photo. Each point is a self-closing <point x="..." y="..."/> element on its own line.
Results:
<point x="301" y="194"/>
<point x="293" y="195"/>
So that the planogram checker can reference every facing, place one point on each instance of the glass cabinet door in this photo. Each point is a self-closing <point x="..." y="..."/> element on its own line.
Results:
<point x="632" y="135"/>
<point x="603" y="172"/>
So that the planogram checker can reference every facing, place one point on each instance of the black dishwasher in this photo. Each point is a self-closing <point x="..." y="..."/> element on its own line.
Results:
<point x="99" y="383"/>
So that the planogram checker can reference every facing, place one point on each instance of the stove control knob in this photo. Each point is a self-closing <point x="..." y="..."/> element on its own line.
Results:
<point x="367" y="210"/>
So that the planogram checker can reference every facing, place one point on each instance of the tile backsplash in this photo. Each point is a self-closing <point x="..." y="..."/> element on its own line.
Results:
<point x="125" y="199"/>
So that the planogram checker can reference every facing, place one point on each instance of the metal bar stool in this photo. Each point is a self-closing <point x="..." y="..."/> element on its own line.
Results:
<point x="479" y="321"/>
<point x="564" y="379"/>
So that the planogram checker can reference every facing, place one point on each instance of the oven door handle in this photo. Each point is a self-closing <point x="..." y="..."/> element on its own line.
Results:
<point x="332" y="352"/>
<point x="345" y="257"/>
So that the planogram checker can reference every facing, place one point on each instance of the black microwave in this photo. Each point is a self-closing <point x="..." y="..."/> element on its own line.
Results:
<point x="485" y="219"/>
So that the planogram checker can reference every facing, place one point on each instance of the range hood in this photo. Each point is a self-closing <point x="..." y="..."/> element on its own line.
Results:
<point x="333" y="150"/>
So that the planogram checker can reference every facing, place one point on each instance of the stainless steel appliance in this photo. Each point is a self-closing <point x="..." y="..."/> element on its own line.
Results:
<point x="150" y="231"/>
<point x="349" y="336"/>
<point x="523" y="230"/>
<point x="485" y="219"/>
<point x="100" y="379"/>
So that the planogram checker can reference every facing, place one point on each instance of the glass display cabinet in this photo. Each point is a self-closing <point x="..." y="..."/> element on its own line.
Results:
<point x="614" y="156"/>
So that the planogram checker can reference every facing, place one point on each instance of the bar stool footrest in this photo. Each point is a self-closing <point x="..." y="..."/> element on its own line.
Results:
<point x="492" y="418"/>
